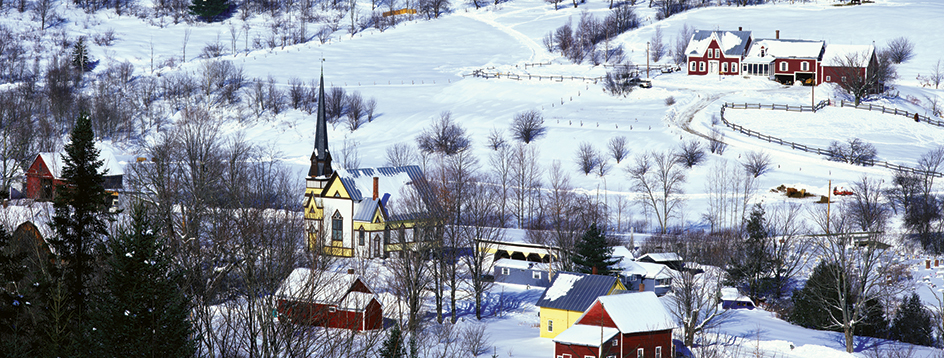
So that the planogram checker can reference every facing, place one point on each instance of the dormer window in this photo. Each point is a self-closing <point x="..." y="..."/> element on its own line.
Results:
<point x="710" y="53"/>
<point x="717" y="53"/>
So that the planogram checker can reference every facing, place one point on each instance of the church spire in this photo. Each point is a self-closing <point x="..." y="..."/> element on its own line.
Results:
<point x="320" y="157"/>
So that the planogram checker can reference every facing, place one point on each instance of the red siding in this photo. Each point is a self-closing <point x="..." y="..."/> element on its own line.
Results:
<point x="314" y="314"/>
<point x="733" y="62"/>
<point x="648" y="341"/>
<point x="596" y="316"/>
<point x="38" y="171"/>
<point x="373" y="316"/>
<point x="578" y="351"/>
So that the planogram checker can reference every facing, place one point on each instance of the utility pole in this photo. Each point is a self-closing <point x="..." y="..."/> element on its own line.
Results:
<point x="647" y="59"/>
<point x="829" y="199"/>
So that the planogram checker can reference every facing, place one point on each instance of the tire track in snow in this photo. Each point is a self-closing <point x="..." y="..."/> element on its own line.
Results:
<point x="517" y="35"/>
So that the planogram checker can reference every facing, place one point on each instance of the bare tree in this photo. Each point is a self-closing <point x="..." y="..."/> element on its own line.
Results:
<point x="691" y="153"/>
<point x="586" y="157"/>
<point x="900" y="49"/>
<point x="659" y="179"/>
<point x="444" y="136"/>
<point x="937" y="74"/>
<point x="693" y="303"/>
<point x="657" y="47"/>
<point x="790" y="244"/>
<point x="730" y="190"/>
<point x="867" y="210"/>
<point x="863" y="73"/>
<point x="334" y="104"/>
<point x="855" y="151"/>
<point x="681" y="44"/>
<point x="757" y="163"/>
<point x="617" y="147"/>
<point x="525" y="175"/>
<point x="355" y="111"/>
<point x="370" y="107"/>
<point x="479" y="228"/>
<point x="350" y="155"/>
<point x="528" y="126"/>
<point x="500" y="162"/>
<point x="496" y="139"/>
<point x="401" y="154"/>
<point x="716" y="142"/>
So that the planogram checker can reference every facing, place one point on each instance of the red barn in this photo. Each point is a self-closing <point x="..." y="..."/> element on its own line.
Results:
<point x="45" y="174"/>
<point x="841" y="62"/>
<point x="329" y="299"/>
<point x="717" y="52"/>
<point x="629" y="325"/>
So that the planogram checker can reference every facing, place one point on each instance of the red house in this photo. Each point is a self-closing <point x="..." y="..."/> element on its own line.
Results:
<point x="629" y="325"/>
<point x="329" y="299"/>
<point x="841" y="62"/>
<point x="45" y="173"/>
<point x="717" y="52"/>
<point x="785" y="60"/>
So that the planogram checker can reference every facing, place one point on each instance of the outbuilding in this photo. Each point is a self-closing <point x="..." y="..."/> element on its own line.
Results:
<point x="329" y="299"/>
<point x="629" y="325"/>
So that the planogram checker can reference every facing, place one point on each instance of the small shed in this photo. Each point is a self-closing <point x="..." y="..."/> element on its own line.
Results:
<point x="646" y="276"/>
<point x="522" y="272"/>
<point x="731" y="298"/>
<point x="625" y="325"/>
<point x="329" y="299"/>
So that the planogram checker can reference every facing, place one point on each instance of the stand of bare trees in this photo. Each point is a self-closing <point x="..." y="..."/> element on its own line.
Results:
<point x="658" y="177"/>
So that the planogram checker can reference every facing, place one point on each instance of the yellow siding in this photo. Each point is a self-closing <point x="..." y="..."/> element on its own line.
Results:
<point x="562" y="319"/>
<point x="338" y="251"/>
<point x="617" y="286"/>
<point x="336" y="188"/>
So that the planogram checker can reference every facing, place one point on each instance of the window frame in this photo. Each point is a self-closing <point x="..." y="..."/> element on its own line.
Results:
<point x="361" y="240"/>
<point x="550" y="325"/>
<point x="692" y="65"/>
<point x="536" y="275"/>
<point x="505" y="271"/>
<point x="640" y="353"/>
<point x="337" y="226"/>
<point x="784" y="67"/>
<point x="828" y="78"/>
<point x="658" y="351"/>
<point x="724" y="67"/>
<point x="701" y="66"/>
<point x="717" y="53"/>
<point x="804" y="66"/>
<point x="710" y="53"/>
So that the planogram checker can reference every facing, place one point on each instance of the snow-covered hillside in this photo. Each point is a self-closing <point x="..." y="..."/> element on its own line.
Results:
<point x="422" y="68"/>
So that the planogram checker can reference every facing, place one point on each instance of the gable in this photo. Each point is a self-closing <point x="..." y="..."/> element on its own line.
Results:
<point x="575" y="291"/>
<point x="597" y="316"/>
<point x="335" y="189"/>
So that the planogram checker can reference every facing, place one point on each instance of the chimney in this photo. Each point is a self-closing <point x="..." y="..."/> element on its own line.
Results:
<point x="350" y="271"/>
<point x="778" y="34"/>
<point x="740" y="28"/>
<point x="376" y="191"/>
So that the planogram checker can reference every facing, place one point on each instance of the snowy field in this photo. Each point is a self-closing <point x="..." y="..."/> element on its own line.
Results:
<point x="420" y="69"/>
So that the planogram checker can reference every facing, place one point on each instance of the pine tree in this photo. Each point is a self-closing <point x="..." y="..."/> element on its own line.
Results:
<point x="913" y="323"/>
<point x="16" y="330"/>
<point x="817" y="302"/>
<point x="208" y="9"/>
<point x="80" y="58"/>
<point x="79" y="223"/>
<point x="752" y="267"/>
<point x="142" y="311"/>
<point x="593" y="255"/>
<point x="393" y="346"/>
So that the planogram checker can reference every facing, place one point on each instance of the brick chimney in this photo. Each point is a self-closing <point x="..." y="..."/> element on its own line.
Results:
<point x="350" y="271"/>
<point x="376" y="187"/>
<point x="778" y="34"/>
<point x="740" y="28"/>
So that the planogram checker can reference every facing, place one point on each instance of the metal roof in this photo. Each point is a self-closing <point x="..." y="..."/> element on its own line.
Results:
<point x="581" y="292"/>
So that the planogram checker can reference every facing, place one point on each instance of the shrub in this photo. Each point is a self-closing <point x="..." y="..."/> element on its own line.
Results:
<point x="854" y="151"/>
<point x="690" y="153"/>
<point x="757" y="163"/>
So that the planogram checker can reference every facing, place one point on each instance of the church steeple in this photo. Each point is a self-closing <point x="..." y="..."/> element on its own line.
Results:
<point x="321" y="157"/>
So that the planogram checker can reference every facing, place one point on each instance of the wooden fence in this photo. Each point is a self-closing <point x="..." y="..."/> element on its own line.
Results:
<point x="895" y="111"/>
<point x="516" y="76"/>
<point x="805" y="148"/>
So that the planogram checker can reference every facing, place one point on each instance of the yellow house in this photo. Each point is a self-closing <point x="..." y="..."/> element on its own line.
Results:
<point x="346" y="211"/>
<point x="569" y="296"/>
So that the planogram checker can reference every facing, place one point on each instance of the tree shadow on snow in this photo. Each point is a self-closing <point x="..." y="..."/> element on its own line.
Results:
<point x="496" y="302"/>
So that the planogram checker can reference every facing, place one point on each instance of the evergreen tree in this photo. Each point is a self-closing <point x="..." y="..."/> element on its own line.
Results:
<point x="393" y="346"/>
<point x="79" y="225"/>
<point x="142" y="311"/>
<point x="593" y="255"/>
<point x="751" y="268"/>
<point x="817" y="301"/>
<point x="913" y="323"/>
<point x="80" y="59"/>
<point x="208" y="9"/>
<point x="16" y="330"/>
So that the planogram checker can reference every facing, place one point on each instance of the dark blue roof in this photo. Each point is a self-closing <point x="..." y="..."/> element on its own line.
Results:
<point x="584" y="290"/>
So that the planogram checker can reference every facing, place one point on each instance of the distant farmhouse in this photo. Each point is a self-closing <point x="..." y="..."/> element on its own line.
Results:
<point x="569" y="295"/>
<point x="348" y="212"/>
<point x="788" y="61"/>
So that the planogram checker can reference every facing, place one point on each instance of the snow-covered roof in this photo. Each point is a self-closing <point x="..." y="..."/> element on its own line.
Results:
<point x="575" y="291"/>
<point x="783" y="48"/>
<point x="654" y="271"/>
<point x="324" y="287"/>
<point x="623" y="252"/>
<point x="732" y="43"/>
<point x="521" y="264"/>
<point x="585" y="335"/>
<point x="55" y="162"/>
<point x="359" y="183"/>
<point x="732" y="294"/>
<point x="636" y="312"/>
<point x="835" y="54"/>
<point x="356" y="301"/>
<point x="661" y="257"/>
